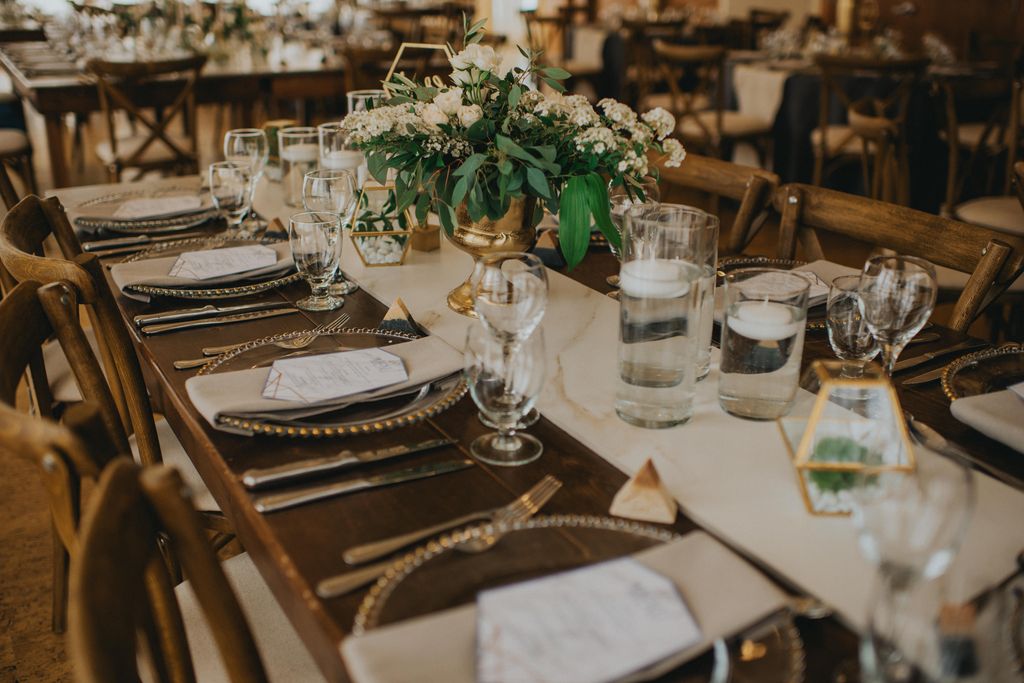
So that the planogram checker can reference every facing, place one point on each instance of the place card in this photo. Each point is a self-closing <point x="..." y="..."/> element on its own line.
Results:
<point x="311" y="379"/>
<point x="205" y="265"/>
<point x="589" y="625"/>
<point x="150" y="207"/>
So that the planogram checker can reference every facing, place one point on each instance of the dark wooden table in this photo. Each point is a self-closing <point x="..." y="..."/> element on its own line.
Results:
<point x="296" y="548"/>
<point x="296" y="72"/>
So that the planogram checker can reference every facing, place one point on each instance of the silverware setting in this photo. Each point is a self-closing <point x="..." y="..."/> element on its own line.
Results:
<point x="96" y="246"/>
<point x="272" y="502"/>
<point x="520" y="510"/>
<point x="202" y="312"/>
<point x="219" y="320"/>
<point x="931" y="439"/>
<point x="264" y="477"/>
<point x="924" y="377"/>
<point x="932" y="355"/>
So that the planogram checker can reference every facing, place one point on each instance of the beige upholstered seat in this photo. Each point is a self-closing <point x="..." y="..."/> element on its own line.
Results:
<point x="13" y="142"/>
<point x="839" y="140"/>
<point x="734" y="125"/>
<point x="1004" y="214"/>
<point x="969" y="135"/>
<point x="284" y="656"/>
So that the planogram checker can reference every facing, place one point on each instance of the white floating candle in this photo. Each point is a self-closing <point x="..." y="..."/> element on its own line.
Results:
<point x="301" y="152"/>
<point x="654" y="278"/>
<point x="763" y="320"/>
<point x="341" y="160"/>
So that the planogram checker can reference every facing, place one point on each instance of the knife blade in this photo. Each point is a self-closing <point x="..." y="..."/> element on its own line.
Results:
<point x="925" y="377"/>
<point x="258" y="478"/>
<point x="136" y="240"/>
<point x="932" y="355"/>
<point x="219" y="320"/>
<point x="272" y="502"/>
<point x="202" y="312"/>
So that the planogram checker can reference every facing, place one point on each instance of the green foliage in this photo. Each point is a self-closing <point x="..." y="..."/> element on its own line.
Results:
<point x="839" y="450"/>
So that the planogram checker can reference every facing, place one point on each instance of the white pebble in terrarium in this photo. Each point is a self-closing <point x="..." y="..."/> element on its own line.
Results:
<point x="381" y="249"/>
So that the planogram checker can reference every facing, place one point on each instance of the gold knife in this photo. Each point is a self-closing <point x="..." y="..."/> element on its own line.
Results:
<point x="925" y="357"/>
<point x="207" y="311"/>
<point x="925" y="377"/>
<point x="272" y="502"/>
<point x="220" y="320"/>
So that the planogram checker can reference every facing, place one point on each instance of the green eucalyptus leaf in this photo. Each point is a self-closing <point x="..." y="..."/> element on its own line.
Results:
<point x="470" y="165"/>
<point x="461" y="189"/>
<point x="476" y="205"/>
<point x="574" y="221"/>
<point x="536" y="180"/>
<point x="513" y="96"/>
<point x="377" y="165"/>
<point x="554" y="85"/>
<point x="505" y="167"/>
<point x="422" y="207"/>
<point x="557" y="73"/>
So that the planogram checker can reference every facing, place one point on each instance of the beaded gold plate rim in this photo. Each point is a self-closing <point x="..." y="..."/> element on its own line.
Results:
<point x="271" y="428"/>
<point x="143" y="226"/>
<point x="971" y="359"/>
<point x="368" y="614"/>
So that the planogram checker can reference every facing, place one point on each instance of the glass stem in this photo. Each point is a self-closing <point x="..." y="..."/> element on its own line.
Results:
<point x="506" y="440"/>
<point x="890" y="352"/>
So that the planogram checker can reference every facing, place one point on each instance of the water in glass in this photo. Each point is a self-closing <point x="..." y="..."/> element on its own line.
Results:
<point x="300" y="153"/>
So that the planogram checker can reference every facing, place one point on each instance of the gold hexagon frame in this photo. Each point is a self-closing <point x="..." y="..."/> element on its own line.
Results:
<point x="417" y="46"/>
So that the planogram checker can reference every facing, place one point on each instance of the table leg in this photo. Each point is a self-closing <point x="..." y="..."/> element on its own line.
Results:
<point x="55" y="145"/>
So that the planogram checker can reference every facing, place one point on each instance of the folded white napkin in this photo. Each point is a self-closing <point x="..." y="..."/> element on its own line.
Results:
<point x="149" y="208"/>
<point x="999" y="415"/>
<point x="240" y="393"/>
<point x="155" y="272"/>
<point x="722" y="591"/>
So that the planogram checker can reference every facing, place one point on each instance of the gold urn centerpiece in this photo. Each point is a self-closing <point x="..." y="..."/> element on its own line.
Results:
<point x="486" y="153"/>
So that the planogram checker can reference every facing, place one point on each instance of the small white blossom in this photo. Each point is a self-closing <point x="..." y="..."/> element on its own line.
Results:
<point x="675" y="151"/>
<point x="449" y="101"/>
<point x="468" y="115"/>
<point x="661" y="121"/>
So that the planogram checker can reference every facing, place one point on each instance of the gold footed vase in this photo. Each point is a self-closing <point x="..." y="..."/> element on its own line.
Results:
<point x="515" y="231"/>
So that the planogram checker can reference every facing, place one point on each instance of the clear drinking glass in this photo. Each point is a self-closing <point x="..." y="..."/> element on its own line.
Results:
<point x="625" y="197"/>
<point x="504" y="380"/>
<point x="336" y="154"/>
<point x="248" y="147"/>
<point x="229" y="188"/>
<point x="299" y="148"/>
<point x="334" y="191"/>
<point x="315" y="238"/>
<point x="361" y="100"/>
<point x="762" y="341"/>
<point x="659" y="309"/>
<point x="848" y="332"/>
<point x="510" y="293"/>
<point x="898" y="296"/>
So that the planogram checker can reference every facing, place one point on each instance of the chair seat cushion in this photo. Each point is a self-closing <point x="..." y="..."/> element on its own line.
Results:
<point x="969" y="136"/>
<point x="734" y="125"/>
<point x="838" y="140"/>
<point x="13" y="142"/>
<point x="954" y="280"/>
<point x="157" y="152"/>
<point x="58" y="373"/>
<point x="1004" y="214"/>
<point x="174" y="455"/>
<point x="284" y="656"/>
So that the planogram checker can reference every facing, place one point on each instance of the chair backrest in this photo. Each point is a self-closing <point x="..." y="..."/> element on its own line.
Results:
<point x="752" y="187"/>
<point x="10" y="197"/>
<point x="174" y="80"/>
<point x="121" y="592"/>
<point x="366" y="67"/>
<point x="993" y="259"/>
<point x="546" y="33"/>
<point x="22" y="232"/>
<point x="701" y="67"/>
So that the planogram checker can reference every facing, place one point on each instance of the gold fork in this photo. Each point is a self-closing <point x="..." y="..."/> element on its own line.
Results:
<point x="521" y="509"/>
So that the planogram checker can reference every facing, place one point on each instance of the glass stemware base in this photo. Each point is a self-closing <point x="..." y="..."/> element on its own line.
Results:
<point x="320" y="303"/>
<point x="525" y="421"/>
<point x="506" y="450"/>
<point x="343" y="286"/>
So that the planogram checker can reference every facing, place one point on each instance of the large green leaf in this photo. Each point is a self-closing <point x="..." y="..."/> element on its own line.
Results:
<point x="470" y="165"/>
<point x="511" y="148"/>
<point x="597" y="198"/>
<point x="377" y="164"/>
<point x="574" y="221"/>
<point x="535" y="178"/>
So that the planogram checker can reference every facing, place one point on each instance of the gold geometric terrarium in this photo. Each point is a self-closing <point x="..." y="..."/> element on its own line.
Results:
<point x="418" y="63"/>
<point x="852" y="429"/>
<point x="380" y="235"/>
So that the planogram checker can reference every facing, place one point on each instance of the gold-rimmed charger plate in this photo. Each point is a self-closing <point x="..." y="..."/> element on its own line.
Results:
<point x="176" y="247"/>
<point x="143" y="226"/>
<point x="983" y="372"/>
<point x="364" y="418"/>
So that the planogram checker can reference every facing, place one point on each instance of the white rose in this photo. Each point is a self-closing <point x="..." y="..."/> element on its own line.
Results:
<point x="484" y="57"/>
<point x="449" y="101"/>
<point x="469" y="115"/>
<point x="433" y="115"/>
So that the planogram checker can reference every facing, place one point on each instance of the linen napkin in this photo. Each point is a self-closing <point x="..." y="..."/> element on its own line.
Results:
<point x="240" y="393"/>
<point x="155" y="272"/>
<point x="149" y="208"/>
<point x="722" y="591"/>
<point x="999" y="415"/>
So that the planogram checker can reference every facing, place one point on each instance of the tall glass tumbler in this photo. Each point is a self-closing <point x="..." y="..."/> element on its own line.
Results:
<point x="337" y="155"/>
<point x="361" y="100"/>
<point x="299" y="148"/>
<point x="762" y="341"/>
<point x="659" y="320"/>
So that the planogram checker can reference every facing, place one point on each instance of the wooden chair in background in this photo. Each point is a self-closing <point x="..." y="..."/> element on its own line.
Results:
<point x="979" y="261"/>
<point x="713" y="130"/>
<point x="121" y="594"/>
<point x="876" y="132"/>
<point x="22" y="232"/>
<point x="156" y="148"/>
<point x="752" y="188"/>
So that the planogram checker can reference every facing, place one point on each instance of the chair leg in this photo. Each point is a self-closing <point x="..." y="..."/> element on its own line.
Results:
<point x="61" y="563"/>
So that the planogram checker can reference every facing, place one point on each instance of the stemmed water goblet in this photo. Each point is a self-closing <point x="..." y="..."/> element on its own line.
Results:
<point x="248" y="147"/>
<point x="315" y="240"/>
<point x="333" y="191"/>
<point x="504" y="382"/>
<point x="848" y="332"/>
<point x="897" y="296"/>
<point x="229" y="189"/>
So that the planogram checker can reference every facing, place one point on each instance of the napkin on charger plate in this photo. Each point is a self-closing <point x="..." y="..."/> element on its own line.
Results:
<point x="155" y="272"/>
<point x="722" y="591"/>
<point x="998" y="415"/>
<point x="148" y="208"/>
<point x="239" y="393"/>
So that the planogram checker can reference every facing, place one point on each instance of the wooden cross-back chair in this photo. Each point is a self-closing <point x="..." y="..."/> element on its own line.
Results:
<point x="367" y="67"/>
<point x="157" y="148"/>
<point x="993" y="260"/>
<point x="22" y="232"/>
<point x="876" y="132"/>
<point x="222" y="624"/>
<point x="751" y="187"/>
<point x="29" y="315"/>
<point x="711" y="130"/>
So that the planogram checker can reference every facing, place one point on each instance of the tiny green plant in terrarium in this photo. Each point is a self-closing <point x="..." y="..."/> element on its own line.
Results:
<point x="380" y="233"/>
